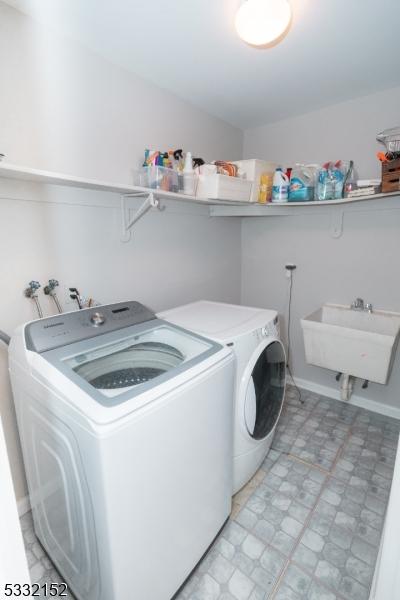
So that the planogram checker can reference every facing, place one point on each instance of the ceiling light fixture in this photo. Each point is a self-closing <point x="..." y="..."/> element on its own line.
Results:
<point x="261" y="22"/>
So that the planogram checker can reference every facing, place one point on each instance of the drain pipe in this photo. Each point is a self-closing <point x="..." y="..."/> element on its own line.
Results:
<point x="346" y="388"/>
<point x="4" y="337"/>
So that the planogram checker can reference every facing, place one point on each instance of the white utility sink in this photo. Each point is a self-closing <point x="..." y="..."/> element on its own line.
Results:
<point x="353" y="342"/>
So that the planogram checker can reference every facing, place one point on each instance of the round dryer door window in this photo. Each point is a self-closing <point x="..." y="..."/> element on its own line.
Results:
<point x="265" y="391"/>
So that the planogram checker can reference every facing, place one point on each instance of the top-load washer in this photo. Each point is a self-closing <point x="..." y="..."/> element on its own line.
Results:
<point x="126" y="429"/>
<point x="253" y="333"/>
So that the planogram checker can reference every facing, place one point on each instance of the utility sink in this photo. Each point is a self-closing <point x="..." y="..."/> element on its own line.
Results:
<point x="352" y="342"/>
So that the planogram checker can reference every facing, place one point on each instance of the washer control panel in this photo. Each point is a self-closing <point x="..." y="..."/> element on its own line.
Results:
<point x="97" y="319"/>
<point x="60" y="330"/>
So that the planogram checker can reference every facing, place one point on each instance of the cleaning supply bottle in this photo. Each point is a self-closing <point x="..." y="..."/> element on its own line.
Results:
<point x="280" y="186"/>
<point x="301" y="184"/>
<point x="188" y="175"/>
<point x="350" y="180"/>
<point x="265" y="189"/>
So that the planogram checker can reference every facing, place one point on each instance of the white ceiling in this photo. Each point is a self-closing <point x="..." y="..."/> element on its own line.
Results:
<point x="334" y="51"/>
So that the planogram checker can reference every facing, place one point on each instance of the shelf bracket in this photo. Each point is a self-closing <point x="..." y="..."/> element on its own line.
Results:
<point x="337" y="223"/>
<point x="127" y="221"/>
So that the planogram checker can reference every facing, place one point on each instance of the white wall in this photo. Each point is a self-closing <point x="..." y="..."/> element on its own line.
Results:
<point x="65" y="109"/>
<point x="363" y="262"/>
<point x="347" y="131"/>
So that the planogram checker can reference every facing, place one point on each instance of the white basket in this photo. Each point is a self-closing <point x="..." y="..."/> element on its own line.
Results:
<point x="223" y="187"/>
<point x="254" y="168"/>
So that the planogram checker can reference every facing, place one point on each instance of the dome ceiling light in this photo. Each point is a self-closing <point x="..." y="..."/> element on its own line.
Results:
<point x="261" y="22"/>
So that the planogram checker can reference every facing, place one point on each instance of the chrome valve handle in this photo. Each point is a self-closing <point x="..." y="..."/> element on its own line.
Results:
<point x="31" y="292"/>
<point x="49" y="290"/>
<point x="53" y="283"/>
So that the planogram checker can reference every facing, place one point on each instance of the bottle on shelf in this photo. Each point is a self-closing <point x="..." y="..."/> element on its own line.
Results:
<point x="280" y="186"/>
<point x="188" y="175"/>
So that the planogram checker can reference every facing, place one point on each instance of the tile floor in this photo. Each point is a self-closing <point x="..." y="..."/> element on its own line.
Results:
<point x="309" y="523"/>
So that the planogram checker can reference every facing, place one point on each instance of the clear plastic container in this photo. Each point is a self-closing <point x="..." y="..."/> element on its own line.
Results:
<point x="157" y="178"/>
<point x="168" y="180"/>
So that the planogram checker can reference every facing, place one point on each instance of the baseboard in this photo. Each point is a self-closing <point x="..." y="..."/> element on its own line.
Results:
<point x="23" y="505"/>
<point x="367" y="403"/>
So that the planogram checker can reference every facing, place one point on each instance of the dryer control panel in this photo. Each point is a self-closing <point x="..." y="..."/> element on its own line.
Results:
<point x="271" y="329"/>
<point x="60" y="330"/>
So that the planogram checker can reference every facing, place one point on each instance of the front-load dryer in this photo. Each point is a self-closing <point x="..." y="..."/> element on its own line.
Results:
<point x="126" y="429"/>
<point x="253" y="334"/>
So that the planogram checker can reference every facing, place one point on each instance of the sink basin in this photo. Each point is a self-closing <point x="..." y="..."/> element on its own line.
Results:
<point x="353" y="342"/>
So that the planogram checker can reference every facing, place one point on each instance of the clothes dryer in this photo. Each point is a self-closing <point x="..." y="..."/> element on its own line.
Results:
<point x="253" y="334"/>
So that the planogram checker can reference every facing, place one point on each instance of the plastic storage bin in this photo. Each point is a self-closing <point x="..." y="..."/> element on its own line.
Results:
<point x="157" y="178"/>
<point x="254" y="168"/>
<point x="168" y="180"/>
<point x="223" y="187"/>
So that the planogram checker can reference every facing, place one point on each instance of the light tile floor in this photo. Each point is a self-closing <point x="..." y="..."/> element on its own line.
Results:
<point x="308" y="525"/>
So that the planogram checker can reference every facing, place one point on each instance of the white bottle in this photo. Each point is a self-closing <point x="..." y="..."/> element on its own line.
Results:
<point x="188" y="175"/>
<point x="280" y="186"/>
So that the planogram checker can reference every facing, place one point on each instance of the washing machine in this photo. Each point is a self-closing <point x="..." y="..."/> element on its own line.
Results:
<point x="253" y="334"/>
<point x="126" y="429"/>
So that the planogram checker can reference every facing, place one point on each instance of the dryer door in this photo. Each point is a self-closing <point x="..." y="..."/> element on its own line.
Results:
<point x="265" y="390"/>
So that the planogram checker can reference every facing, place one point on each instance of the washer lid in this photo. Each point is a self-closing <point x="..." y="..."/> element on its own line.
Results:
<point x="115" y="367"/>
<point x="218" y="320"/>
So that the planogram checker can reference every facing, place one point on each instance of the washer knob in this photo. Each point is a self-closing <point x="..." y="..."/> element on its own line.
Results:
<point x="265" y="331"/>
<point x="97" y="319"/>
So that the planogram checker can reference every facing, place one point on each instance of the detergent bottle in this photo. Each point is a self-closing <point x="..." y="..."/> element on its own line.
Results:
<point x="280" y="186"/>
<point x="301" y="184"/>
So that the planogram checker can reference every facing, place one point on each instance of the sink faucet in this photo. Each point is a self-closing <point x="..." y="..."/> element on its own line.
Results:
<point x="358" y="304"/>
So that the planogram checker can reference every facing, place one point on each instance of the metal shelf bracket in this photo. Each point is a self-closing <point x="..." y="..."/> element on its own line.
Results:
<point x="127" y="221"/>
<point x="337" y="223"/>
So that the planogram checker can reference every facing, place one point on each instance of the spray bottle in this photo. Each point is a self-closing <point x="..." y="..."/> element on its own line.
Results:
<point x="188" y="175"/>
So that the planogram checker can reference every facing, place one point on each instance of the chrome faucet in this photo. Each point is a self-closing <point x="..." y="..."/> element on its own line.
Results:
<point x="358" y="304"/>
